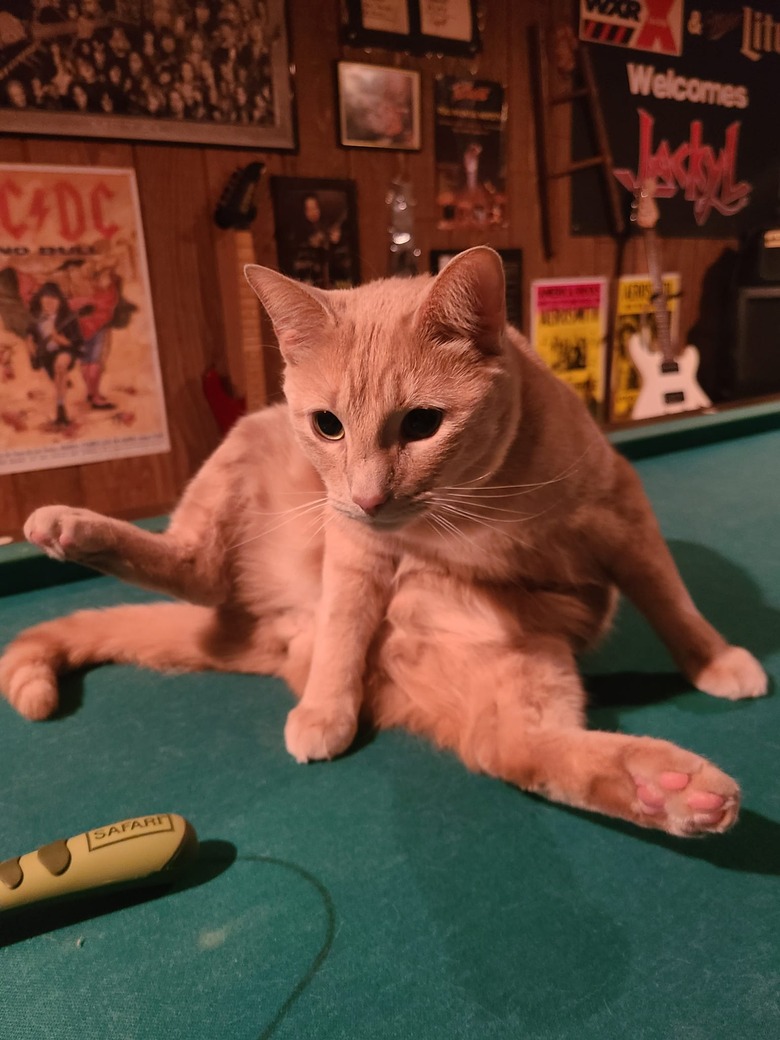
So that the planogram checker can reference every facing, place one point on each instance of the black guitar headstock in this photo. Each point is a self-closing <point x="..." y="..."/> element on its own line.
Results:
<point x="237" y="208"/>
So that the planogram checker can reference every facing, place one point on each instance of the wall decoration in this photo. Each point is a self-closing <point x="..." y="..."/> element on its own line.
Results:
<point x="512" y="260"/>
<point x="699" y="122"/>
<point x="419" y="26"/>
<point x="470" y="153"/>
<point x="379" y="106"/>
<point x="78" y="354"/>
<point x="634" y="314"/>
<point x="207" y="72"/>
<point x="644" y="25"/>
<point x="316" y="230"/>
<point x="569" y="330"/>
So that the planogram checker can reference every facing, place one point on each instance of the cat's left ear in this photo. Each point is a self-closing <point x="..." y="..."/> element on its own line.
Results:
<point x="467" y="301"/>
<point x="299" y="313"/>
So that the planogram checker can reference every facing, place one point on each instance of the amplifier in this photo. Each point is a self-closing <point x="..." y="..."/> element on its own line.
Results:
<point x="756" y="347"/>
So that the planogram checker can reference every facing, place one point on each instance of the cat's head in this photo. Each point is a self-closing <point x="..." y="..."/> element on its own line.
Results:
<point x="400" y="387"/>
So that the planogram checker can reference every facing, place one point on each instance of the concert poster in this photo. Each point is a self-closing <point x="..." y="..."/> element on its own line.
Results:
<point x="470" y="119"/>
<point x="79" y="369"/>
<point x="633" y="315"/>
<point x="569" y="330"/>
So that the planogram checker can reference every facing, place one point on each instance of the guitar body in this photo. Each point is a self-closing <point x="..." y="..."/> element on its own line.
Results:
<point x="667" y="387"/>
<point x="667" y="373"/>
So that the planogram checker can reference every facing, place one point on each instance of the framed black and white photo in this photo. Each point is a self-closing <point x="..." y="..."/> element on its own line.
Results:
<point x="420" y="26"/>
<point x="379" y="106"/>
<point x="316" y="230"/>
<point x="214" y="72"/>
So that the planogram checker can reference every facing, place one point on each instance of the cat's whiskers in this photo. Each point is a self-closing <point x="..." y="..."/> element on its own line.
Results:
<point x="522" y="488"/>
<point x="291" y="515"/>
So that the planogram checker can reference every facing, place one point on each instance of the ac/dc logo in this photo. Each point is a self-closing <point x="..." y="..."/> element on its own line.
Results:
<point x="705" y="175"/>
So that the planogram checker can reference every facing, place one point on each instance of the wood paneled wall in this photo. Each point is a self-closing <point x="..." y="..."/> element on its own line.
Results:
<point x="180" y="184"/>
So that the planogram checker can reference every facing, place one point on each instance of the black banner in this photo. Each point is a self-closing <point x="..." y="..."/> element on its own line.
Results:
<point x="703" y="123"/>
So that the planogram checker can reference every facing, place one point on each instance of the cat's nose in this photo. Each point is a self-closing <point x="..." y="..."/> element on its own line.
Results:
<point x="371" y="504"/>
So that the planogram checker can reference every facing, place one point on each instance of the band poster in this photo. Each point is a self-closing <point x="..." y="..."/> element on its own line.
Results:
<point x="470" y="153"/>
<point x="569" y="331"/>
<point x="79" y="370"/>
<point x="634" y="314"/>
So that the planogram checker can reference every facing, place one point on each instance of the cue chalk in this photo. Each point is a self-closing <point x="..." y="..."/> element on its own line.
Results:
<point x="138" y="851"/>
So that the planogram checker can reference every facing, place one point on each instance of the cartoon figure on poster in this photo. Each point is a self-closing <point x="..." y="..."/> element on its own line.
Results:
<point x="73" y="285"/>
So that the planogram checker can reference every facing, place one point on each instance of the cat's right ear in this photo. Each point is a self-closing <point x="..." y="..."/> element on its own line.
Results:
<point x="299" y="313"/>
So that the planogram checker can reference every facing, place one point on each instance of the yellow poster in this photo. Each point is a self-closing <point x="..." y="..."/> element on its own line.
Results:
<point x="568" y="331"/>
<point x="79" y="370"/>
<point x="634" y="315"/>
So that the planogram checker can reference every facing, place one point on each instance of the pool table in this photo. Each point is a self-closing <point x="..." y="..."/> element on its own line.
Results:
<point x="391" y="893"/>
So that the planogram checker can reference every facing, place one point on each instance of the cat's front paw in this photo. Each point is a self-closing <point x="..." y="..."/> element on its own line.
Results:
<point x="733" y="674"/>
<point x="65" y="533"/>
<point x="315" y="733"/>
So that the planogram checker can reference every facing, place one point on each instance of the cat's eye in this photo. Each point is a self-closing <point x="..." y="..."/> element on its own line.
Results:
<point x="328" y="425"/>
<point x="421" y="423"/>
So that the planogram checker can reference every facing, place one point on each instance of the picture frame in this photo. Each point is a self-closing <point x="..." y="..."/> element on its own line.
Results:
<point x="512" y="260"/>
<point x="135" y="71"/>
<point x="447" y="27"/>
<point x="379" y="106"/>
<point x="317" y="230"/>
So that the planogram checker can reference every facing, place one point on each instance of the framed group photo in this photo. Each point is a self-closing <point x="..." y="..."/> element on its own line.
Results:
<point x="422" y="26"/>
<point x="316" y="230"/>
<point x="211" y="71"/>
<point x="379" y="106"/>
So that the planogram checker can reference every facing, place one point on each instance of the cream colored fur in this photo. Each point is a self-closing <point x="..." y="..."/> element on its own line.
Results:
<point x="444" y="584"/>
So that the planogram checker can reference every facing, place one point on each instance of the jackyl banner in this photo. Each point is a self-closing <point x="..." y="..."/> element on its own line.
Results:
<point x="701" y="122"/>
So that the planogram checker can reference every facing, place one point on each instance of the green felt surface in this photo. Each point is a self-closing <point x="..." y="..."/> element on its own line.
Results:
<point x="391" y="893"/>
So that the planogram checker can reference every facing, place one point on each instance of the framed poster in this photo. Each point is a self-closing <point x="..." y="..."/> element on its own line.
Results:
<point x="421" y="26"/>
<point x="569" y="333"/>
<point x="316" y="230"/>
<point x="206" y="72"/>
<point x="78" y="353"/>
<point x="470" y="117"/>
<point x="379" y="106"/>
<point x="512" y="260"/>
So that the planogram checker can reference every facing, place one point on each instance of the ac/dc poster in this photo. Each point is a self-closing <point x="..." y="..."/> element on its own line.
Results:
<point x="470" y="175"/>
<point x="695" y="110"/>
<point x="79" y="371"/>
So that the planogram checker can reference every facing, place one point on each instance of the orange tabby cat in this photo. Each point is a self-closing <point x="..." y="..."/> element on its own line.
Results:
<point x="426" y="534"/>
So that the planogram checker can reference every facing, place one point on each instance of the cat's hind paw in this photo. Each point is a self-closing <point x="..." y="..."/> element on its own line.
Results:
<point x="312" y="734"/>
<point x="696" y="798"/>
<point x="66" y="533"/>
<point x="733" y="674"/>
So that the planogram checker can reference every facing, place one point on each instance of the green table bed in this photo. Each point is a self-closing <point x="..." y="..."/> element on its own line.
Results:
<point x="391" y="893"/>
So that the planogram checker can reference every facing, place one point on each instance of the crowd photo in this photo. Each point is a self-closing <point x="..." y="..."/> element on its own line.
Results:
<point x="173" y="59"/>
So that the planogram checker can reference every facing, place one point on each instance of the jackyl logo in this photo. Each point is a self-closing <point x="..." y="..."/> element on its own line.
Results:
<point x="707" y="178"/>
<point x="646" y="80"/>
<point x="760" y="34"/>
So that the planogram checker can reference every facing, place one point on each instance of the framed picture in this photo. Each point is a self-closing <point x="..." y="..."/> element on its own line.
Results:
<point x="316" y="230"/>
<point x="421" y="26"/>
<point x="512" y="260"/>
<point x="379" y="106"/>
<point x="79" y="363"/>
<point x="208" y="72"/>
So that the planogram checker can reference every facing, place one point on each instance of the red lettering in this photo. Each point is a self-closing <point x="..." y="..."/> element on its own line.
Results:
<point x="656" y="29"/>
<point x="6" y="220"/>
<point x="708" y="179"/>
<point x="70" y="209"/>
<point x="100" y="194"/>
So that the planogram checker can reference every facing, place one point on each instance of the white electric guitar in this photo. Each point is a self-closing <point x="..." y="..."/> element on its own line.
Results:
<point x="668" y="375"/>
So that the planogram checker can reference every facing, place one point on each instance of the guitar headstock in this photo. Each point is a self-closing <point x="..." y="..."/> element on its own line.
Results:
<point x="237" y="208"/>
<point x="646" y="208"/>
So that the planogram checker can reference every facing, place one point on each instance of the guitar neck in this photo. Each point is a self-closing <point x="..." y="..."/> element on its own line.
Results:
<point x="250" y="322"/>
<point x="660" y="304"/>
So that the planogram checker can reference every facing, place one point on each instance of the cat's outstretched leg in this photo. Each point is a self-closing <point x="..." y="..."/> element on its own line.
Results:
<point x="165" y="636"/>
<point x="630" y="546"/>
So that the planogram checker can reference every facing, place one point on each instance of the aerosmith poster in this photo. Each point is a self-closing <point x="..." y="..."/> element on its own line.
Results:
<point x="688" y="94"/>
<point x="79" y="372"/>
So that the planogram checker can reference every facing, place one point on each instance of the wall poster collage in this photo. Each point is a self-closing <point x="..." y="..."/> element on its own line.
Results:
<point x="79" y="369"/>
